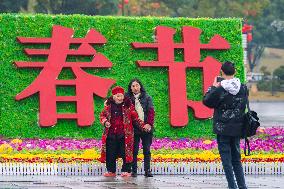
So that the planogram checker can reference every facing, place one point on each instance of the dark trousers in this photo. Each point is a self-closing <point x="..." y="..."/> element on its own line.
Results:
<point x="146" y="143"/>
<point x="115" y="147"/>
<point x="229" y="149"/>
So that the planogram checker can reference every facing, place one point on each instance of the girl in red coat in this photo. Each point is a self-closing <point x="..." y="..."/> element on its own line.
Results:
<point x="118" y="136"/>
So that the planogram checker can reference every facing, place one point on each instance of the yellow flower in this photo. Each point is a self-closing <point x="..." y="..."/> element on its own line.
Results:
<point x="5" y="149"/>
<point x="140" y="156"/>
<point x="90" y="151"/>
<point x="89" y="154"/>
<point x="16" y="141"/>
<point x="207" y="142"/>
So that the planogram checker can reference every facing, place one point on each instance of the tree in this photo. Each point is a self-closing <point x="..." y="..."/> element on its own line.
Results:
<point x="11" y="6"/>
<point x="89" y="7"/>
<point x="216" y="8"/>
<point x="264" y="70"/>
<point x="148" y="8"/>
<point x="252" y="11"/>
<point x="279" y="73"/>
<point x="268" y="31"/>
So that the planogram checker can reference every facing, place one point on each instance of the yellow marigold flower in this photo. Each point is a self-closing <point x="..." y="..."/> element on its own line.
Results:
<point x="207" y="155"/>
<point x="16" y="141"/>
<point x="90" y="151"/>
<point x="5" y="149"/>
<point x="88" y="154"/>
<point x="207" y="142"/>
<point x="140" y="156"/>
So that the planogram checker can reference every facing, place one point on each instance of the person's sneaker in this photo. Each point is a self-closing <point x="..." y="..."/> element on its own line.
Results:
<point x="125" y="174"/>
<point x="148" y="174"/>
<point x="109" y="174"/>
<point x="134" y="174"/>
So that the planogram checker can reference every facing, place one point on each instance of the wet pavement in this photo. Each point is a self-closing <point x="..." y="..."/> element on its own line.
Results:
<point x="270" y="113"/>
<point x="158" y="181"/>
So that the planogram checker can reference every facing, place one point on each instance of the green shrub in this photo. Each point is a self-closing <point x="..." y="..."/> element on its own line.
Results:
<point x="266" y="85"/>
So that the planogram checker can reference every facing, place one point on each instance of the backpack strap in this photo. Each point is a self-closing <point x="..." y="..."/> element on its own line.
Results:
<point x="247" y="147"/>
<point x="247" y="99"/>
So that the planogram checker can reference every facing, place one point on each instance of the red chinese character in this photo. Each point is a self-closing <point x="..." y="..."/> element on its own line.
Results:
<point x="191" y="46"/>
<point x="46" y="83"/>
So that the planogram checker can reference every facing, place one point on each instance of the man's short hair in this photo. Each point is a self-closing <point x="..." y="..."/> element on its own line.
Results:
<point x="228" y="68"/>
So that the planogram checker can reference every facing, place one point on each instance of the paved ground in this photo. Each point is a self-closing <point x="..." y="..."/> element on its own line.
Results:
<point x="158" y="181"/>
<point x="270" y="113"/>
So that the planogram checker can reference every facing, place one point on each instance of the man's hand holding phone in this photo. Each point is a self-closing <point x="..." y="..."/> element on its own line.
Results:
<point x="217" y="81"/>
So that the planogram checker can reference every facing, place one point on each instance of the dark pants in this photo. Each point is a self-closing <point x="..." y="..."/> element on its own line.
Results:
<point x="229" y="149"/>
<point x="146" y="143"/>
<point x="115" y="147"/>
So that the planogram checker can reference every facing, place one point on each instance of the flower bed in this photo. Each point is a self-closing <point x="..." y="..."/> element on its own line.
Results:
<point x="267" y="146"/>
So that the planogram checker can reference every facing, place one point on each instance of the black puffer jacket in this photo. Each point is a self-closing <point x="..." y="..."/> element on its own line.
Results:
<point x="229" y="109"/>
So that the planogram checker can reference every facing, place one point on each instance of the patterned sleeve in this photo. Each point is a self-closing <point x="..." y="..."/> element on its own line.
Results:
<point x="103" y="115"/>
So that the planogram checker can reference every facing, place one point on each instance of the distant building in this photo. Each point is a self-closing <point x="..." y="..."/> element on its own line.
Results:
<point x="254" y="77"/>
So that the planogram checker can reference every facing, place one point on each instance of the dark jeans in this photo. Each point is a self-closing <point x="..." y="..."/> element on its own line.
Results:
<point x="146" y="143"/>
<point x="229" y="149"/>
<point x="115" y="148"/>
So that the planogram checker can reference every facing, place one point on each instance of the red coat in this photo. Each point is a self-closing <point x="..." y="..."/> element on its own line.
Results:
<point x="129" y="115"/>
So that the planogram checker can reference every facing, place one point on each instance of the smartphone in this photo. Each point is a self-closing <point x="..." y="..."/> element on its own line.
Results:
<point x="219" y="79"/>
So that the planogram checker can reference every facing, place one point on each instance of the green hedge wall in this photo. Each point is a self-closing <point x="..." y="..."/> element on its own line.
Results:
<point x="19" y="118"/>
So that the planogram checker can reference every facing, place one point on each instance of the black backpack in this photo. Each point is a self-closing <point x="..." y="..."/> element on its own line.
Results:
<point x="250" y="125"/>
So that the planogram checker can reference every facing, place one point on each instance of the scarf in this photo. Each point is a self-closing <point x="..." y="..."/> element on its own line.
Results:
<point x="138" y="106"/>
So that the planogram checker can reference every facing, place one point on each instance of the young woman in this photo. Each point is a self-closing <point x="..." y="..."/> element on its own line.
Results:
<point x="118" y="137"/>
<point x="145" y="109"/>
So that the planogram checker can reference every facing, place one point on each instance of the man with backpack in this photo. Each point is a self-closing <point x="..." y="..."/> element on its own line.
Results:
<point x="228" y="98"/>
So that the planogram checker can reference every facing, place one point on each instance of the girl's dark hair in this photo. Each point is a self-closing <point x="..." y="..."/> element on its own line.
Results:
<point x="142" y="89"/>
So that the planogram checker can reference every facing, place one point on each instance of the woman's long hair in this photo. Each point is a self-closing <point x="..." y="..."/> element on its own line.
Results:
<point x="142" y="89"/>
